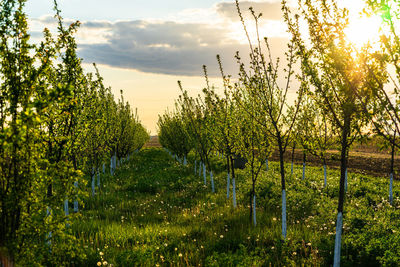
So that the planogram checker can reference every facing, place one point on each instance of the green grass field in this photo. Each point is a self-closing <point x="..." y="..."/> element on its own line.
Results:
<point x="156" y="212"/>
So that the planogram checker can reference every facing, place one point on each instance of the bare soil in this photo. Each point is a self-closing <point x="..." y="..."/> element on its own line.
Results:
<point x="362" y="159"/>
<point x="373" y="163"/>
<point x="153" y="142"/>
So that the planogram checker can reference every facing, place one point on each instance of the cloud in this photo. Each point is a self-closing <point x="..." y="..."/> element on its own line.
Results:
<point x="179" y="45"/>
<point x="269" y="10"/>
<point x="168" y="48"/>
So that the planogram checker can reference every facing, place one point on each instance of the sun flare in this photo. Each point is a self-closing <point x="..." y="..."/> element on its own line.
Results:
<point x="362" y="30"/>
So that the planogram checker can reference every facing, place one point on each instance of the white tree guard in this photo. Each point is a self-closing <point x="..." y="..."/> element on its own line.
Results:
<point x="291" y="169"/>
<point x="66" y="209"/>
<point x="304" y="170"/>
<point x="49" y="235"/>
<point x="200" y="166"/>
<point x="234" y="192"/>
<point x="254" y="211"/>
<point x="98" y="178"/>
<point x="204" y="174"/>
<point x="111" y="166"/>
<point x="93" y="183"/>
<point x="338" y="240"/>
<point x="391" y="189"/>
<point x="76" y="208"/>
<point x="266" y="165"/>
<point x="212" y="182"/>
<point x="284" y="225"/>
<point x="325" y="180"/>
<point x="345" y="181"/>
<point x="228" y="178"/>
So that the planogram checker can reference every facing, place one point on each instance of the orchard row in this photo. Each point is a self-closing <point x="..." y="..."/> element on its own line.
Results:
<point x="58" y="126"/>
<point x="343" y="94"/>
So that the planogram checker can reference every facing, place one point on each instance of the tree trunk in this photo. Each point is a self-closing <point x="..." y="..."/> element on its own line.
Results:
<point x="282" y="169"/>
<point x="293" y="148"/>
<point x="325" y="178"/>
<point x="304" y="164"/>
<point x="392" y="170"/>
<point x="228" y="178"/>
<point x="343" y="170"/>
<point x="233" y="182"/>
<point x="253" y="201"/>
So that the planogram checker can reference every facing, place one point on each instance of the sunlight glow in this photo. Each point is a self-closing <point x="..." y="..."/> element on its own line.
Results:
<point x="362" y="30"/>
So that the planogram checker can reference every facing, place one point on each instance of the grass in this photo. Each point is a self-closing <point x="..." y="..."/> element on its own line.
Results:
<point x="156" y="212"/>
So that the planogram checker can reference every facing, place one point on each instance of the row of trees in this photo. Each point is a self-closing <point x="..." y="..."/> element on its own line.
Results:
<point x="342" y="94"/>
<point x="57" y="125"/>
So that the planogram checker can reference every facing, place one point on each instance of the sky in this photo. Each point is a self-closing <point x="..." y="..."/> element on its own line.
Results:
<point x="144" y="47"/>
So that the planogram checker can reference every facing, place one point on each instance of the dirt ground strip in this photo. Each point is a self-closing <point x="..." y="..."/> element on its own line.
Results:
<point x="153" y="142"/>
<point x="360" y="160"/>
<point x="377" y="164"/>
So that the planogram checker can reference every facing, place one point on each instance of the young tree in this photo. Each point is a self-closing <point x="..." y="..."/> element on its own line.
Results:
<point x="385" y="115"/>
<point x="200" y="127"/>
<point x="316" y="133"/>
<point x="333" y="70"/>
<point x="224" y="112"/>
<point x="252" y="142"/>
<point x="270" y="98"/>
<point x="172" y="134"/>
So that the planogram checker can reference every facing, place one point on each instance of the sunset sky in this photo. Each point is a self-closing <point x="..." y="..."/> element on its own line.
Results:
<point x="145" y="46"/>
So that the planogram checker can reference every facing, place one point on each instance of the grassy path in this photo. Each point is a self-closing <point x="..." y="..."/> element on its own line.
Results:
<point x="155" y="212"/>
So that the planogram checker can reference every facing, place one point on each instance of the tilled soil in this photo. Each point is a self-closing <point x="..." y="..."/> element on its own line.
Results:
<point x="377" y="164"/>
<point x="361" y="160"/>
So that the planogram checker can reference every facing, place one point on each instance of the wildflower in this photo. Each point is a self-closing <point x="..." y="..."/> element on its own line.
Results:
<point x="180" y="255"/>
<point x="98" y="263"/>
<point x="105" y="263"/>
<point x="308" y="244"/>
<point x="274" y="219"/>
<point x="221" y="236"/>
<point x="101" y="253"/>
<point x="176" y="249"/>
<point x="294" y="253"/>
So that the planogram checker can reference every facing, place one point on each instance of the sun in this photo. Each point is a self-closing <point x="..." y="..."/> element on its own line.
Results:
<point x="362" y="29"/>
